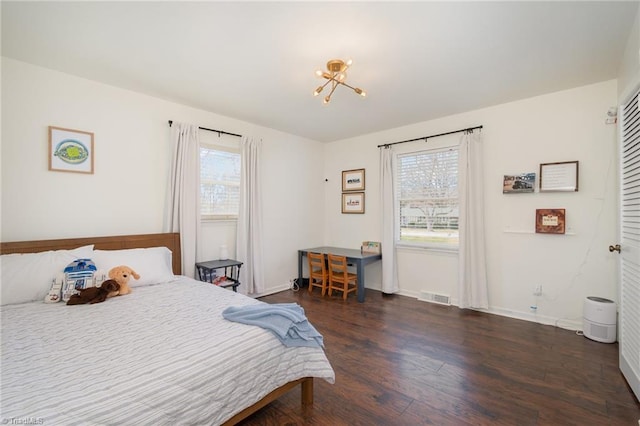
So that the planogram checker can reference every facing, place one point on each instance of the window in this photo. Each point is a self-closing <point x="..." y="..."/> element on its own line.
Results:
<point x="427" y="194"/>
<point x="219" y="182"/>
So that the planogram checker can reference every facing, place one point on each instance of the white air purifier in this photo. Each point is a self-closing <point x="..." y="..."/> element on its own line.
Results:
<point x="599" y="319"/>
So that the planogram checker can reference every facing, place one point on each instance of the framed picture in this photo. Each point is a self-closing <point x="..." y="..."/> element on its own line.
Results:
<point x="559" y="176"/>
<point x="525" y="182"/>
<point x="353" y="202"/>
<point x="550" y="221"/>
<point x="70" y="150"/>
<point x="353" y="180"/>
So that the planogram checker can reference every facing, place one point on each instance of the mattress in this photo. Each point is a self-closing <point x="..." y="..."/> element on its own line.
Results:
<point x="160" y="355"/>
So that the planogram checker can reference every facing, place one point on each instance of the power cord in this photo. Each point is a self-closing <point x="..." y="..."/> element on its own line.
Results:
<point x="294" y="285"/>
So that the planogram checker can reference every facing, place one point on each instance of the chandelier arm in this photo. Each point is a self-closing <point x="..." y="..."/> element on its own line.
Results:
<point x="332" y="78"/>
<point x="355" y="89"/>
<point x="350" y="87"/>
<point x="333" y="87"/>
<point x="325" y="84"/>
<point x="345" y="84"/>
<point x="321" y="88"/>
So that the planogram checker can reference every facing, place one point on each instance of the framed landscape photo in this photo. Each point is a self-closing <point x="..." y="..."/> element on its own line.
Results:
<point x="353" y="202"/>
<point x="70" y="150"/>
<point x="558" y="177"/>
<point x="353" y="180"/>
<point x="550" y="221"/>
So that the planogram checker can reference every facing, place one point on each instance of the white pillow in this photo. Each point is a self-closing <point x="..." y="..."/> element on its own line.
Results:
<point x="152" y="264"/>
<point x="27" y="277"/>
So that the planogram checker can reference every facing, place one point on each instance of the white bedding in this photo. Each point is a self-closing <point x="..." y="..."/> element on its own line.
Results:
<point x="160" y="355"/>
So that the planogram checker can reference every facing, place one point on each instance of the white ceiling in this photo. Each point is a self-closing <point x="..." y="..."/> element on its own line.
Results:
<point x="256" y="61"/>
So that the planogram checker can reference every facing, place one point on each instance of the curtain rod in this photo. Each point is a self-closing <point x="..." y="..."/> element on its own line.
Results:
<point x="219" y="132"/>
<point x="432" y="136"/>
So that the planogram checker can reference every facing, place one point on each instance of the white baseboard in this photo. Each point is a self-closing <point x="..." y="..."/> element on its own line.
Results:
<point x="564" y="323"/>
<point x="567" y="324"/>
<point x="273" y="290"/>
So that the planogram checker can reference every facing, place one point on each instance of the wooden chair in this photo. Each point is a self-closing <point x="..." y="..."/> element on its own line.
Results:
<point x="340" y="278"/>
<point x="317" y="272"/>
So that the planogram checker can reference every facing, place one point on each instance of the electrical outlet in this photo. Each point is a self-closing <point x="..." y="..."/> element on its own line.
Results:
<point x="537" y="291"/>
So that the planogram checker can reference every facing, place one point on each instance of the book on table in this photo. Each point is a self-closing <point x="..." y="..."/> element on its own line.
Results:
<point x="371" y="247"/>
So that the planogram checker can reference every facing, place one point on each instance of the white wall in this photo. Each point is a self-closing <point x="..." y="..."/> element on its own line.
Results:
<point x="518" y="136"/>
<point x="629" y="73"/>
<point x="127" y="192"/>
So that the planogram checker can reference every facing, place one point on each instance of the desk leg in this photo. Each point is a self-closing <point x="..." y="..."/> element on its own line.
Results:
<point x="237" y="276"/>
<point x="360" y="271"/>
<point x="300" y="255"/>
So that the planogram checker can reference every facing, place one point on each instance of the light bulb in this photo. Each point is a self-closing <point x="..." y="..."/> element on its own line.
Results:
<point x="319" y="73"/>
<point x="341" y="76"/>
<point x="349" y="62"/>
<point x="317" y="91"/>
<point x="327" y="99"/>
<point x="360" y="92"/>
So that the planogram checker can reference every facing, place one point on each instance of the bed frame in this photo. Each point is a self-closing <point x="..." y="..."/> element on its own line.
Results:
<point x="172" y="242"/>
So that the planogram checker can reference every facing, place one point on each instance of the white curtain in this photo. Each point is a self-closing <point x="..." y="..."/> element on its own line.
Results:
<point x="472" y="274"/>
<point x="249" y="234"/>
<point x="184" y="197"/>
<point x="389" y="260"/>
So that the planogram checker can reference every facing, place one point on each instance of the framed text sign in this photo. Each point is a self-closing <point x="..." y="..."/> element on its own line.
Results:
<point x="550" y="221"/>
<point x="559" y="176"/>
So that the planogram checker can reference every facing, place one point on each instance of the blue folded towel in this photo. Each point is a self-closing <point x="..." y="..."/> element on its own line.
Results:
<point x="286" y="320"/>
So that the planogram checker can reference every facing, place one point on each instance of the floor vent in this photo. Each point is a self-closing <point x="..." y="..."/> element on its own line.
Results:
<point x="441" y="299"/>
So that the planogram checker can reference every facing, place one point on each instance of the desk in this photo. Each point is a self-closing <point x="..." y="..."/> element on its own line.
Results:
<point x="206" y="272"/>
<point x="353" y="256"/>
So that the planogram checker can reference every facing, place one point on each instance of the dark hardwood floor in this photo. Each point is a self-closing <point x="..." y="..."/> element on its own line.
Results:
<point x="400" y="361"/>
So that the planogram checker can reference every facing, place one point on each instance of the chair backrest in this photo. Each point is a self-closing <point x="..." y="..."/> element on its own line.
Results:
<point x="316" y="263"/>
<point x="337" y="266"/>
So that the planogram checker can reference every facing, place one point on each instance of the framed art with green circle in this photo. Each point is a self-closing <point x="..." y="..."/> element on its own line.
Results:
<point x="70" y="150"/>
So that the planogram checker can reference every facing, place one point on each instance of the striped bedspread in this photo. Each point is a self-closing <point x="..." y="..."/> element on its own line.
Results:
<point x="162" y="355"/>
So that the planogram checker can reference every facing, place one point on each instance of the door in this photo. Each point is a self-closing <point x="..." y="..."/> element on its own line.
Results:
<point x="629" y="247"/>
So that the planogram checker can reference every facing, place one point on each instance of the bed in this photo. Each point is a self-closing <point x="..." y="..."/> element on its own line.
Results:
<point x="160" y="355"/>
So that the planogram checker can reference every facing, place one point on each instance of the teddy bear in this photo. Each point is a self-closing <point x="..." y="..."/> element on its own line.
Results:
<point x="122" y="274"/>
<point x="94" y="294"/>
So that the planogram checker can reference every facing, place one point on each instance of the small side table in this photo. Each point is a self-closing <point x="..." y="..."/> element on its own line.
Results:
<point x="206" y="272"/>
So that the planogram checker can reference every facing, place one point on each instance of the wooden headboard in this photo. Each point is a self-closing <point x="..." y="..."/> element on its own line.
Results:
<point x="169" y="240"/>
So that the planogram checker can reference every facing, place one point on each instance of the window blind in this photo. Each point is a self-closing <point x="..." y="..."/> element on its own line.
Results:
<point x="219" y="183"/>
<point x="427" y="189"/>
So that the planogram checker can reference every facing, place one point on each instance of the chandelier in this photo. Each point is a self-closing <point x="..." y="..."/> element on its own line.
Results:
<point x="336" y="74"/>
